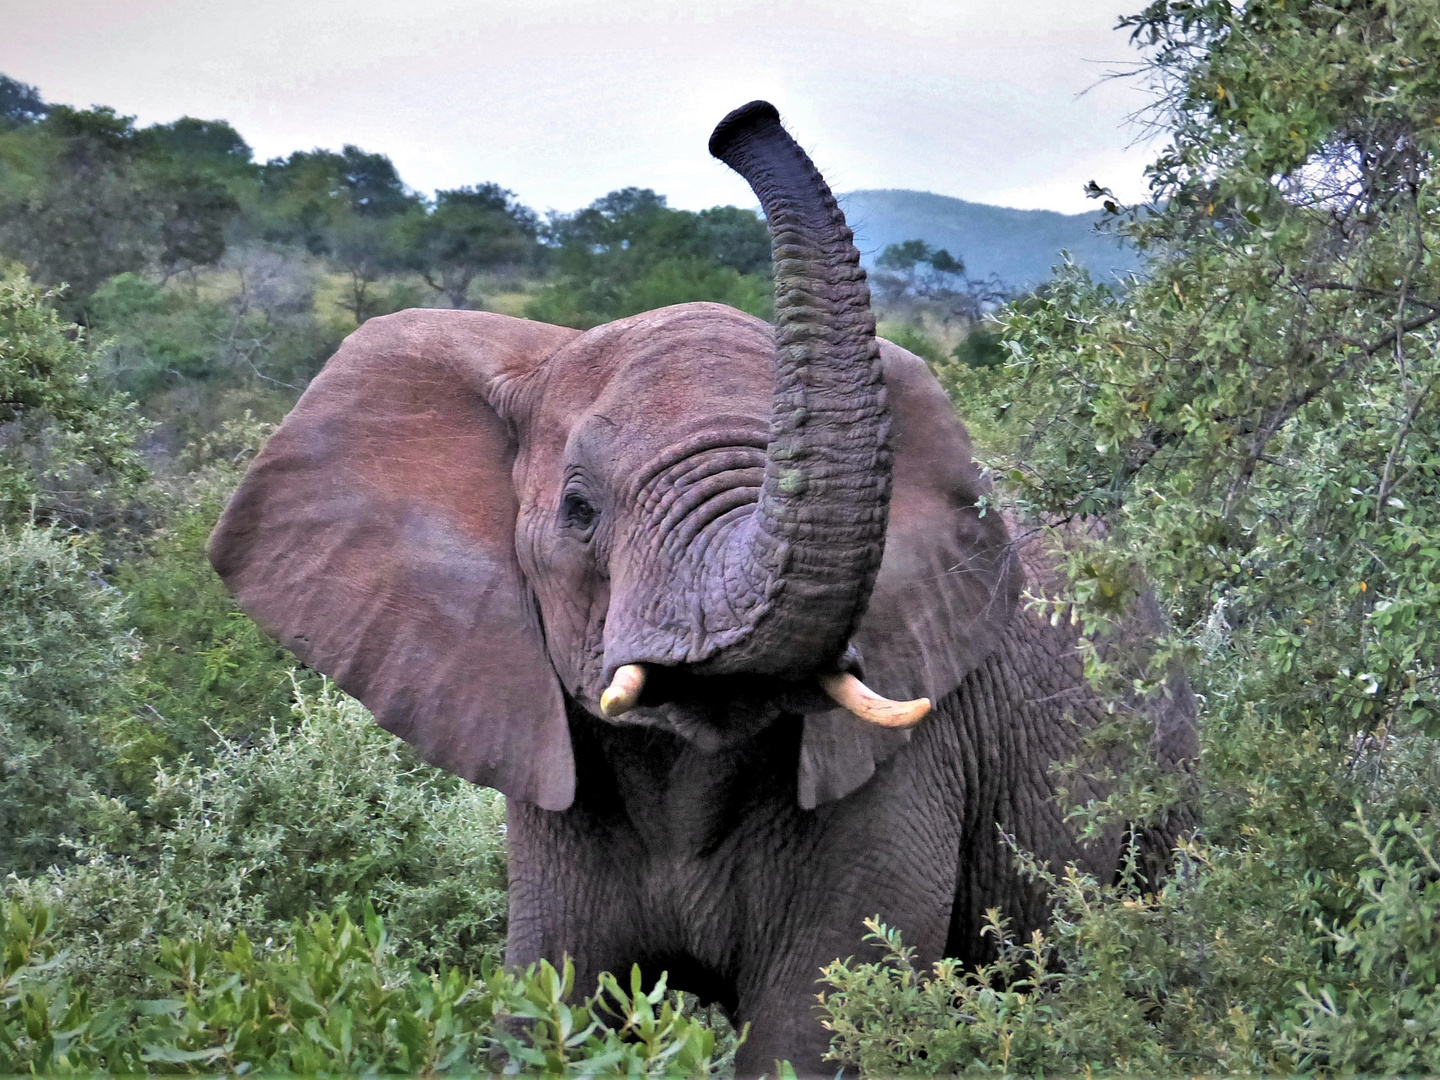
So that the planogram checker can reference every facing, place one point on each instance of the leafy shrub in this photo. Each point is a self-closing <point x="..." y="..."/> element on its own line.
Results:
<point x="248" y="327"/>
<point x="980" y="348"/>
<point x="68" y="446"/>
<point x="1227" y="968"/>
<point x="1253" y="425"/>
<point x="889" y="1018"/>
<point x="206" y="671"/>
<point x="1373" y="1004"/>
<point x="332" y="813"/>
<point x="65" y="655"/>
<point x="332" y="1000"/>
<point x="915" y="339"/>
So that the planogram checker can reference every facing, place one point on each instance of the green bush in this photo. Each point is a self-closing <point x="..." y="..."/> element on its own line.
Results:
<point x="65" y="660"/>
<point x="70" y="452"/>
<point x="333" y="812"/>
<point x="980" y="348"/>
<point x="206" y="671"/>
<point x="1372" y="1004"/>
<point x="332" y="1000"/>
<point x="628" y="252"/>
<point x="1228" y="968"/>
<point x="584" y="302"/>
<point x="1252" y="425"/>
<point x="248" y="327"/>
<point x="913" y="338"/>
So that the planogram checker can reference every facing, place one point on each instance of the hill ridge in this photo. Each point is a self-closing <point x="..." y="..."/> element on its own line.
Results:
<point x="1017" y="246"/>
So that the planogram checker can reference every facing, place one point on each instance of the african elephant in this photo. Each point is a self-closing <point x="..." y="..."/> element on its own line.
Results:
<point x="626" y="575"/>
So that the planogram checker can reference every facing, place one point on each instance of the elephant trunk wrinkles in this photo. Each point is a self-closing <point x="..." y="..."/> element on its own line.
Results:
<point x="797" y="575"/>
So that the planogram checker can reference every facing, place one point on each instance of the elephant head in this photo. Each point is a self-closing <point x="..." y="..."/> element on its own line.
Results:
<point x="482" y="526"/>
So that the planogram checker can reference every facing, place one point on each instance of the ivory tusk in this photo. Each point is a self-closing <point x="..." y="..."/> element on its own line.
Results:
<point x="846" y="690"/>
<point x="624" y="690"/>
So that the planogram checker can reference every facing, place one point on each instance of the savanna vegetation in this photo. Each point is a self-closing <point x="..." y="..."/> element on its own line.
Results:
<point x="215" y="862"/>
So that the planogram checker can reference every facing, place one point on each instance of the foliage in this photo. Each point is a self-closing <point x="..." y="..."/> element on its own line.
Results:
<point x="20" y="103"/>
<point x="1224" y="970"/>
<point x="628" y="252"/>
<point x="888" y="1018"/>
<point x="68" y="448"/>
<point x="1252" y="423"/>
<point x="914" y="339"/>
<point x="64" y="661"/>
<point x="472" y="230"/>
<point x="1251" y="420"/>
<point x="914" y="271"/>
<point x="86" y="196"/>
<point x="1388" y="1019"/>
<point x="330" y="812"/>
<point x="247" y="334"/>
<point x="206" y="671"/>
<point x="980" y="348"/>
<point x="333" y="999"/>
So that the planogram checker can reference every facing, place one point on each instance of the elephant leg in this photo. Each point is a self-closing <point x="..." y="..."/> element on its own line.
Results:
<point x="1026" y="708"/>
<point x="780" y="1001"/>
<point x="887" y="851"/>
<point x="567" y="899"/>
<point x="784" y="1024"/>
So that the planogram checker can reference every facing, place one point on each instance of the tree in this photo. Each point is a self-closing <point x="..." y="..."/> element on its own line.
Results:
<point x="304" y="195"/>
<point x="914" y="271"/>
<point x="92" y="197"/>
<point x="470" y="231"/>
<point x="1254" y="422"/>
<point x="734" y="238"/>
<point x="210" y="142"/>
<point x="82" y="213"/>
<point x="372" y="184"/>
<point x="1252" y="427"/>
<point x="194" y="210"/>
<point x="20" y="103"/>
<point x="366" y="247"/>
<point x="628" y="252"/>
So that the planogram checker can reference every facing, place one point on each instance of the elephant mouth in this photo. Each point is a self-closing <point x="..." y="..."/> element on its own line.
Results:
<point x="723" y="698"/>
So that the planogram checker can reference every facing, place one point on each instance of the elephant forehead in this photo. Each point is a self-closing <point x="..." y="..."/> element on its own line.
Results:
<point x="657" y="377"/>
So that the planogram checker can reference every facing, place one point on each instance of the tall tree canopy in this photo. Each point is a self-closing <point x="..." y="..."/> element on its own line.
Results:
<point x="629" y="252"/>
<point x="20" y="103"/>
<point x="470" y="231"/>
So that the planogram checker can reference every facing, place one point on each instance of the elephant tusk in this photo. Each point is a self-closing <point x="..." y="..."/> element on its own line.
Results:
<point x="846" y="690"/>
<point x="624" y="690"/>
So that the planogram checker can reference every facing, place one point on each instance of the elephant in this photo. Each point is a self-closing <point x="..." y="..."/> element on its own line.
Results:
<point x="725" y="609"/>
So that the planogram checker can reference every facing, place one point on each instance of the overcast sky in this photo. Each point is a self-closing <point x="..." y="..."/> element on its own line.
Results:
<point x="564" y="100"/>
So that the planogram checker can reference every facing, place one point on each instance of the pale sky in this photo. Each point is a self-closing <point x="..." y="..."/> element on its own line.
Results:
<point x="564" y="100"/>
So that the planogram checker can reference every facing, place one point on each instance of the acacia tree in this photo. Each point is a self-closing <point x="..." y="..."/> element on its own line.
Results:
<point x="472" y="230"/>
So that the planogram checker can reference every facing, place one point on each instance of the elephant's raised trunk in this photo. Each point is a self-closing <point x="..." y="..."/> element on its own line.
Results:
<point x="798" y="574"/>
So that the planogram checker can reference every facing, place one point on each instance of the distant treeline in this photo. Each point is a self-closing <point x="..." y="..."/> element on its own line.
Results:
<point x="85" y="195"/>
<point x="205" y="273"/>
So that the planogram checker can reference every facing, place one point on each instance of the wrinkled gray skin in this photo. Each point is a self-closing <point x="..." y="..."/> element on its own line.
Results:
<point x="471" y="522"/>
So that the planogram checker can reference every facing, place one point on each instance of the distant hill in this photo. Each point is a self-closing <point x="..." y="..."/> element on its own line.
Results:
<point x="1017" y="246"/>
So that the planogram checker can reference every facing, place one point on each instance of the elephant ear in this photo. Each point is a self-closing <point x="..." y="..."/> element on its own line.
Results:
<point x="375" y="537"/>
<point x="947" y="586"/>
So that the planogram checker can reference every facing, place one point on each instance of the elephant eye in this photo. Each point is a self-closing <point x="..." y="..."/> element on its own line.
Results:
<point x="576" y="511"/>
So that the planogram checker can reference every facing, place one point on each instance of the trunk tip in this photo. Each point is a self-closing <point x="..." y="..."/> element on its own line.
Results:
<point x="740" y="123"/>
